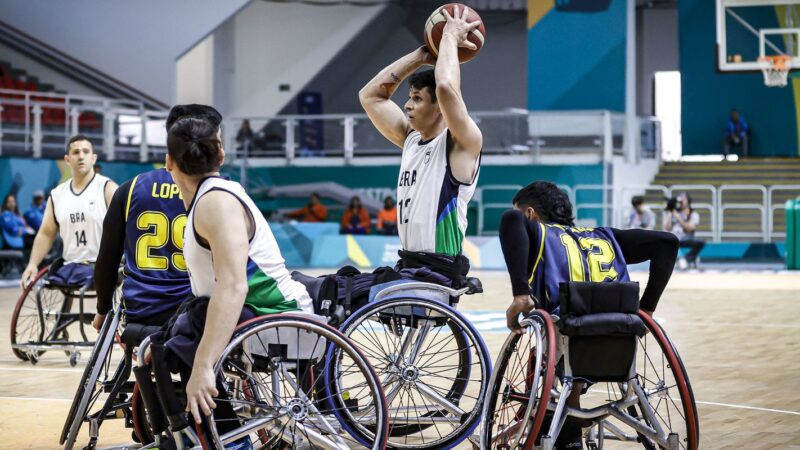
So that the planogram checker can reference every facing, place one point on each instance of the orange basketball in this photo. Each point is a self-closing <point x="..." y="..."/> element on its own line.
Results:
<point x="434" y="27"/>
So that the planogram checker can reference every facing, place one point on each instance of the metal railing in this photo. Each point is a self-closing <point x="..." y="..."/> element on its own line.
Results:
<point x="615" y="206"/>
<point x="341" y="138"/>
<point x="40" y="123"/>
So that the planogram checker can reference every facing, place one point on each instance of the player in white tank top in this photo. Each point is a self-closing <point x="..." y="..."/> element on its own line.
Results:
<point x="229" y="249"/>
<point x="432" y="204"/>
<point x="79" y="215"/>
<point x="270" y="287"/>
<point x="75" y="210"/>
<point x="441" y="143"/>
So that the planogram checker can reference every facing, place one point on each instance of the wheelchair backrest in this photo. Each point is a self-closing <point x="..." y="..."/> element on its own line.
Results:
<point x="602" y="324"/>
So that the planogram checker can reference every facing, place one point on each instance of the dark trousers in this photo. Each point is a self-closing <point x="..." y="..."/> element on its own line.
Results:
<point x="695" y="245"/>
<point x="731" y="141"/>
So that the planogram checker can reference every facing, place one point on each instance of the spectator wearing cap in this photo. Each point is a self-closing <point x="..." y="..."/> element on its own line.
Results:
<point x="35" y="214"/>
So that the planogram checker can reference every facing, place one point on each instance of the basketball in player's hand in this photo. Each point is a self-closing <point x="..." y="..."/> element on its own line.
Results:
<point x="434" y="27"/>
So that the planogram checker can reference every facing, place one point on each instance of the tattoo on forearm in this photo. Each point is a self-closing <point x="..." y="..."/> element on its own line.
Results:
<point x="395" y="78"/>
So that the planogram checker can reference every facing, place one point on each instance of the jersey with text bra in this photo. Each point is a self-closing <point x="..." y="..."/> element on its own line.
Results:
<point x="79" y="216"/>
<point x="431" y="203"/>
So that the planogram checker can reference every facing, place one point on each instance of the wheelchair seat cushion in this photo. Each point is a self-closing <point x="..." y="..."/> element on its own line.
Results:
<point x="135" y="333"/>
<point x="71" y="276"/>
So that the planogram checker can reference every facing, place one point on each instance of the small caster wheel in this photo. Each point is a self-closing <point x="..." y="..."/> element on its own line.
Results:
<point x="33" y="358"/>
<point x="73" y="358"/>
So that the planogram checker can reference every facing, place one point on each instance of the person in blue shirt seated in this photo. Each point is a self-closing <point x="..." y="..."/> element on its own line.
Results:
<point x="14" y="227"/>
<point x="35" y="214"/>
<point x="736" y="133"/>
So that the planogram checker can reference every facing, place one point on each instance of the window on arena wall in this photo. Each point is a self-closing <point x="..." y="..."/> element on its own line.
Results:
<point x="668" y="111"/>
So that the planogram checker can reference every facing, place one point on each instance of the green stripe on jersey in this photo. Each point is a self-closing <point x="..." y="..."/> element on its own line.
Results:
<point x="449" y="235"/>
<point x="264" y="297"/>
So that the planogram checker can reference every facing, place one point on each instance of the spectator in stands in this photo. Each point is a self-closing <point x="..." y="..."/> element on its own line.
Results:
<point x="245" y="135"/>
<point x="356" y="218"/>
<point x="13" y="224"/>
<point x="736" y="133"/>
<point x="641" y="216"/>
<point x="682" y="220"/>
<point x="35" y="214"/>
<point x="387" y="218"/>
<point x="314" y="211"/>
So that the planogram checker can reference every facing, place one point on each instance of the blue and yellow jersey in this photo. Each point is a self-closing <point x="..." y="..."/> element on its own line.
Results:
<point x="155" y="217"/>
<point x="573" y="254"/>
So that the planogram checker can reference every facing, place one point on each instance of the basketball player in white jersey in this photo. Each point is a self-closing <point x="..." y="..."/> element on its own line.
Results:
<point x="75" y="211"/>
<point x="230" y="251"/>
<point x="441" y="143"/>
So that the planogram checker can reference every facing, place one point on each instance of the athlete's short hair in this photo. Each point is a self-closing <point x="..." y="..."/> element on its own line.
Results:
<point x="194" y="145"/>
<point x="637" y="200"/>
<point x="193" y="110"/>
<point x="549" y="202"/>
<point x="424" y="79"/>
<point x="78" y="138"/>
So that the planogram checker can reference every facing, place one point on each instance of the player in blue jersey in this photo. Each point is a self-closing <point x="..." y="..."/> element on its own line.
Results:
<point x="145" y="222"/>
<point x="543" y="248"/>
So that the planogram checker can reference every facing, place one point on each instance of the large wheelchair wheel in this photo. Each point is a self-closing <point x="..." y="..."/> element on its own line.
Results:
<point x="34" y="317"/>
<point x="433" y="365"/>
<point x="100" y="370"/>
<point x="274" y="394"/>
<point x="523" y="376"/>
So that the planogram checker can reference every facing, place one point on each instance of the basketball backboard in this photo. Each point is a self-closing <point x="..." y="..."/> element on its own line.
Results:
<point x="750" y="30"/>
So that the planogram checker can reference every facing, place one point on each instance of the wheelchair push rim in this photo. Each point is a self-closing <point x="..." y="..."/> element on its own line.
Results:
<point x="521" y="382"/>
<point x="279" y="398"/>
<point x="403" y="339"/>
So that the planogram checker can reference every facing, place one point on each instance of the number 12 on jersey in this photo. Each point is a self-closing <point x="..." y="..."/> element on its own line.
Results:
<point x="599" y="256"/>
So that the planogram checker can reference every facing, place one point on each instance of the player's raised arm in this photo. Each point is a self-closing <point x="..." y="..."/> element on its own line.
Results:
<point x="466" y="134"/>
<point x="375" y="97"/>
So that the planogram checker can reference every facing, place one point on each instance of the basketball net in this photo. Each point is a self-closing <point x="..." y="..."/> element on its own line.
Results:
<point x="775" y="70"/>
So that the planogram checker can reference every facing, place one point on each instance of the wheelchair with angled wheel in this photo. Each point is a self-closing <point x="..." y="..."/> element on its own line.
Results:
<point x="45" y="318"/>
<point x="106" y="390"/>
<point x="275" y="390"/>
<point x="635" y="388"/>
<point x="433" y="364"/>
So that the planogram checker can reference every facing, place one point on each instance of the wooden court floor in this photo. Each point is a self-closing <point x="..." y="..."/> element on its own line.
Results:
<point x="738" y="334"/>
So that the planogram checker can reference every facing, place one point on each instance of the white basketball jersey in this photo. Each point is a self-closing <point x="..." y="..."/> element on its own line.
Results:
<point x="431" y="203"/>
<point x="79" y="216"/>
<point x="271" y="288"/>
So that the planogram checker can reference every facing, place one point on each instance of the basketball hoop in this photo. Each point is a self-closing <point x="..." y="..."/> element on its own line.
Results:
<point x="775" y="69"/>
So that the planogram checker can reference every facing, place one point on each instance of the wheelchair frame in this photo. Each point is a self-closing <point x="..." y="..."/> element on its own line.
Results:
<point x="420" y="295"/>
<point x="63" y="316"/>
<point x="303" y="406"/>
<point x="633" y="395"/>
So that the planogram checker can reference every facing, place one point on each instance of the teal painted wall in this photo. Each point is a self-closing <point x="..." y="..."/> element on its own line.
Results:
<point x="708" y="95"/>
<point x="23" y="176"/>
<point x="577" y="60"/>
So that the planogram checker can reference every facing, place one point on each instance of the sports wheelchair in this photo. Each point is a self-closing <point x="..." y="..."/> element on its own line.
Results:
<point x="433" y="363"/>
<point x="600" y="337"/>
<point x="44" y="316"/>
<point x="274" y="391"/>
<point x="106" y="390"/>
